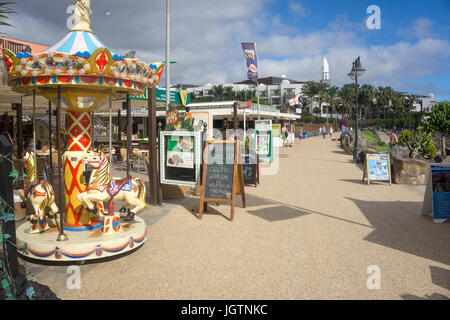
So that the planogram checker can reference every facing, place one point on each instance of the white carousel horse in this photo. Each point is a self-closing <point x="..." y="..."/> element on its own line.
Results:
<point x="102" y="187"/>
<point x="40" y="194"/>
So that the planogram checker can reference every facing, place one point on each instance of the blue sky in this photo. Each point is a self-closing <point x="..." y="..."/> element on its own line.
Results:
<point x="408" y="23"/>
<point x="411" y="51"/>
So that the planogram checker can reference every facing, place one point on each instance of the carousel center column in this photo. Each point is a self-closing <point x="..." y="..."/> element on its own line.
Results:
<point x="79" y="124"/>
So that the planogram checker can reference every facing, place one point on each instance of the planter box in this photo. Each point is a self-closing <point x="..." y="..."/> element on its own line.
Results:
<point x="174" y="191"/>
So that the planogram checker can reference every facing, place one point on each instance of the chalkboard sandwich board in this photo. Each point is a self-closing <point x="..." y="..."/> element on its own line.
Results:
<point x="377" y="167"/>
<point x="250" y="167"/>
<point x="222" y="175"/>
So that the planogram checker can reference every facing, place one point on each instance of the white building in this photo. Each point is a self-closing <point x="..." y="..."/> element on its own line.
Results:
<point x="425" y="103"/>
<point x="275" y="90"/>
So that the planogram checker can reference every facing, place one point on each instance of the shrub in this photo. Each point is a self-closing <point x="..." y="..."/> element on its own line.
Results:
<point x="419" y="144"/>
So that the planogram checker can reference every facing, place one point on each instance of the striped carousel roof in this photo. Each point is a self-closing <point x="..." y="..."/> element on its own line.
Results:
<point x="74" y="42"/>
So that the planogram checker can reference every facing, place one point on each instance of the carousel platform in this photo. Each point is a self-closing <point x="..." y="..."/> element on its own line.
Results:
<point x="82" y="245"/>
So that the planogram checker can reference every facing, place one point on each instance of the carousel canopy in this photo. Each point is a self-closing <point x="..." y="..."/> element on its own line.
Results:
<point x="77" y="42"/>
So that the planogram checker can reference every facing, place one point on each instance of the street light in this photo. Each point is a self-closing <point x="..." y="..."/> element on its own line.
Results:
<point x="357" y="71"/>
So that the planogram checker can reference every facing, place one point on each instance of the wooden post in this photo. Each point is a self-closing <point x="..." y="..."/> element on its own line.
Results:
<point x="129" y="124"/>
<point x="61" y="206"/>
<point x="153" y="173"/>
<point x="160" y="195"/>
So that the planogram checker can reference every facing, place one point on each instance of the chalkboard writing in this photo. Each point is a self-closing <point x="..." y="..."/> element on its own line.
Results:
<point x="222" y="175"/>
<point x="219" y="171"/>
<point x="249" y="166"/>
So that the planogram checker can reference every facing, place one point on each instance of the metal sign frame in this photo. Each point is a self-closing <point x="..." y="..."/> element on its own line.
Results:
<point x="197" y="156"/>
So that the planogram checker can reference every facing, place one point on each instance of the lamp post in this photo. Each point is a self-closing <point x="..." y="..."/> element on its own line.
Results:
<point x="357" y="70"/>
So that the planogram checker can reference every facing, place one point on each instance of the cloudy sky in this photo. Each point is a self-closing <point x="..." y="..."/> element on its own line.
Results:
<point x="411" y="51"/>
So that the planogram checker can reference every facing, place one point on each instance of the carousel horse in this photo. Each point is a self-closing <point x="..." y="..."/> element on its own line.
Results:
<point x="41" y="196"/>
<point x="102" y="187"/>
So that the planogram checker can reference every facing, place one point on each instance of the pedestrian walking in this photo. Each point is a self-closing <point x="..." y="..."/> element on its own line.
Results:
<point x="284" y="135"/>
<point x="300" y="135"/>
<point x="324" y="132"/>
<point x="331" y="132"/>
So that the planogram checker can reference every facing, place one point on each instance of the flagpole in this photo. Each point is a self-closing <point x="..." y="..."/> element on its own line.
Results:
<point x="244" y="128"/>
<point x="257" y="97"/>
<point x="167" y="55"/>
<point x="257" y="93"/>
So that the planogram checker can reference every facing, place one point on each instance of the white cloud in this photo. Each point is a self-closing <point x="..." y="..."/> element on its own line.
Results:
<point x="206" y="37"/>
<point x="421" y="28"/>
<point x="297" y="8"/>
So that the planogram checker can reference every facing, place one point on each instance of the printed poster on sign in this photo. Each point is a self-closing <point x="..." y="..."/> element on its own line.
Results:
<point x="180" y="152"/>
<point x="378" y="166"/>
<point x="276" y="130"/>
<point x="263" y="144"/>
<point x="263" y="125"/>
<point x="440" y="178"/>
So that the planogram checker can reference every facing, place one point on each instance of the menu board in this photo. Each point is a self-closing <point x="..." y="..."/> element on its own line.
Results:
<point x="219" y="176"/>
<point x="377" y="168"/>
<point x="180" y="153"/>
<point x="440" y="179"/>
<point x="263" y="144"/>
<point x="222" y="175"/>
<point x="276" y="130"/>
<point x="250" y="167"/>
<point x="263" y="125"/>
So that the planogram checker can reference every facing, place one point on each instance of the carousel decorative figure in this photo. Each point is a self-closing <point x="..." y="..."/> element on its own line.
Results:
<point x="40" y="194"/>
<point x="78" y="75"/>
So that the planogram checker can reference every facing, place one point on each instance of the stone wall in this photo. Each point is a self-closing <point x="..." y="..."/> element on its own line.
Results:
<point x="410" y="171"/>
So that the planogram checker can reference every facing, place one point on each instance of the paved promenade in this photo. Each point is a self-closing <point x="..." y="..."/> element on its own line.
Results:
<point x="309" y="232"/>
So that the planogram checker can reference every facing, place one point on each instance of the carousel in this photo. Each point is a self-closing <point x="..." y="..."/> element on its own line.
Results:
<point x="78" y="75"/>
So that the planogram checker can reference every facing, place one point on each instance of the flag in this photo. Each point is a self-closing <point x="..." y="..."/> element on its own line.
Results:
<point x="252" y="63"/>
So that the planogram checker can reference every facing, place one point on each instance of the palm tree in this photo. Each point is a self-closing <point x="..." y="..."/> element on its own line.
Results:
<point x="410" y="100"/>
<point x="347" y="96"/>
<point x="331" y="97"/>
<point x="316" y="110"/>
<point x="366" y="96"/>
<point x="322" y="88"/>
<point x="382" y="100"/>
<point x="310" y="90"/>
<point x="229" y="93"/>
<point x="398" y="104"/>
<point x="5" y="10"/>
<point x="218" y="92"/>
<point x="390" y="96"/>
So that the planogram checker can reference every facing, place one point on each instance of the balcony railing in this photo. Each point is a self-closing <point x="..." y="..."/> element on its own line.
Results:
<point x="14" y="46"/>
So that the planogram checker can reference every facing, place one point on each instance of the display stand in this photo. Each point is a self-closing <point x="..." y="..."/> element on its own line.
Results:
<point x="222" y="179"/>
<point x="377" y="167"/>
